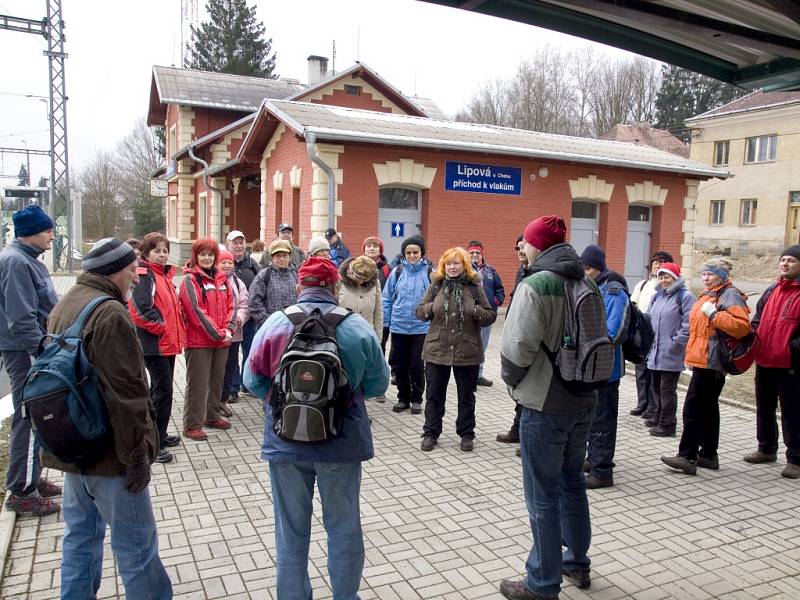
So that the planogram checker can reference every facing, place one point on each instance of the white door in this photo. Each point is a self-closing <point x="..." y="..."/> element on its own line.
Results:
<point x="583" y="227"/>
<point x="398" y="218"/>
<point x="637" y="246"/>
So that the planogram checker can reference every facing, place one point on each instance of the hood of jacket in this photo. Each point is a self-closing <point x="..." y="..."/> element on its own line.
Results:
<point x="560" y="259"/>
<point x="352" y="283"/>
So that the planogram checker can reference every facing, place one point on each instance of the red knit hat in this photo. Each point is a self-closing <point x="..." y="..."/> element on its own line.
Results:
<point x="317" y="271"/>
<point x="670" y="269"/>
<point x="224" y="255"/>
<point x="546" y="231"/>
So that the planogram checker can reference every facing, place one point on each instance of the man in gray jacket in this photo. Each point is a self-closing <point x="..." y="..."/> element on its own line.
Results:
<point x="27" y="296"/>
<point x="554" y="425"/>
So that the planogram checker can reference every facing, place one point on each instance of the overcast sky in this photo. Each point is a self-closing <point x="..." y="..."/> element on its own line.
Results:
<point x="433" y="51"/>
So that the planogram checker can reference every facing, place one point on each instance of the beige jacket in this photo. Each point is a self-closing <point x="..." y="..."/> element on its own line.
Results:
<point x="364" y="299"/>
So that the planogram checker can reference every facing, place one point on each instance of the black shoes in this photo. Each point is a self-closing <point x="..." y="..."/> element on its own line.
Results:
<point x="485" y="382"/>
<point x="233" y="398"/>
<point x="400" y="407"/>
<point x="416" y="408"/>
<point x="427" y="444"/>
<point x="659" y="431"/>
<point x="171" y="441"/>
<point x="509" y="437"/>
<point x="638" y="412"/>
<point x="580" y="578"/>
<point x="680" y="463"/>
<point x="594" y="482"/>
<point x="708" y="463"/>
<point x="651" y="422"/>
<point x="466" y="444"/>
<point x="164" y="456"/>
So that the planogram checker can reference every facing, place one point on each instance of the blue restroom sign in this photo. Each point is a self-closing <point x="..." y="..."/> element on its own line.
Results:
<point x="486" y="179"/>
<point x="398" y="229"/>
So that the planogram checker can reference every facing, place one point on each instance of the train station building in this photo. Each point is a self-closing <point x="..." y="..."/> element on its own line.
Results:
<point x="247" y="153"/>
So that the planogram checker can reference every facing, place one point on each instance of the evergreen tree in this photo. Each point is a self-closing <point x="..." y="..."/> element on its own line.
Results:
<point x="232" y="41"/>
<point x="684" y="94"/>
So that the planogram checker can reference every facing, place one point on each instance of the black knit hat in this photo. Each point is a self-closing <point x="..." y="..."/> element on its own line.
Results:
<point x="593" y="256"/>
<point x="108" y="256"/>
<point x="792" y="251"/>
<point x="415" y="240"/>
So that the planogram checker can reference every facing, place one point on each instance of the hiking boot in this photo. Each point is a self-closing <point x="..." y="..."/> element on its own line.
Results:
<point x="651" y="422"/>
<point x="659" y="431"/>
<point x="380" y="399"/>
<point x="225" y="410"/>
<point x="708" y="463"/>
<point x="791" y="471"/>
<point x="485" y="382"/>
<point x="517" y="590"/>
<point x="416" y="408"/>
<point x="33" y="504"/>
<point x="400" y="407"/>
<point x="648" y="416"/>
<point x="233" y="398"/>
<point x="681" y="463"/>
<point x="519" y="452"/>
<point x="593" y="482"/>
<point x="47" y="489"/>
<point x="164" y="456"/>
<point x="427" y="443"/>
<point x="759" y="457"/>
<point x="580" y="578"/>
<point x="171" y="441"/>
<point x="638" y="412"/>
<point x="510" y="437"/>
<point x="197" y="435"/>
<point x="467" y="444"/>
<point x="218" y="424"/>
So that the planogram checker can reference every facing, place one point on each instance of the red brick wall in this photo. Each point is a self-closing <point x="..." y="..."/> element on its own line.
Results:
<point x="364" y="101"/>
<point x="245" y="211"/>
<point x="207" y="120"/>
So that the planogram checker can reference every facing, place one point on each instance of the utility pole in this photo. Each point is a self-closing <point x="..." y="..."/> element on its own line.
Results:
<point x="52" y="29"/>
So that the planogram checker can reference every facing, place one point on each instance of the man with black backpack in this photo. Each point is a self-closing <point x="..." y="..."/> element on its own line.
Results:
<point x="109" y="488"/>
<point x="557" y="402"/>
<point x="315" y="363"/>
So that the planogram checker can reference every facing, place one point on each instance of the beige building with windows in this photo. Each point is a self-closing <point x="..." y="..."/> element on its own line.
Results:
<point x="757" y="138"/>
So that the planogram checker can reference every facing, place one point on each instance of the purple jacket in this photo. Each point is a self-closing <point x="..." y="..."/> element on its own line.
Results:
<point x="669" y="311"/>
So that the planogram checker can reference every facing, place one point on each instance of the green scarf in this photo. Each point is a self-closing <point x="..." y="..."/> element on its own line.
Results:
<point x="453" y="291"/>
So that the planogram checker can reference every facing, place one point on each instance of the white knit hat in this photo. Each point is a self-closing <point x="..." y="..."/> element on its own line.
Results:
<point x="316" y="244"/>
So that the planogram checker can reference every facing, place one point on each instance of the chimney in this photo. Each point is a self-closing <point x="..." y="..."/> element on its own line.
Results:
<point x="317" y="68"/>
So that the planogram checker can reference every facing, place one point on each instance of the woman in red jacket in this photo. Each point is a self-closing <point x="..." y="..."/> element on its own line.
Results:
<point x="210" y="322"/>
<point x="156" y="311"/>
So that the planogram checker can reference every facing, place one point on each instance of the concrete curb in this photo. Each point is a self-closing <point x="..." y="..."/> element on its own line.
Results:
<point x="8" y="518"/>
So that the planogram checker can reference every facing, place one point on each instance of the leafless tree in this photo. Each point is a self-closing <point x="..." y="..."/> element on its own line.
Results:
<point x="100" y="185"/>
<point x="490" y="105"/>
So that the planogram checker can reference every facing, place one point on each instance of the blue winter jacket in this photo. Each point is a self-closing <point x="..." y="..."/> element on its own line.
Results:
<point x="402" y="295"/>
<point x="669" y="311"/>
<point x="492" y="285"/>
<point x="615" y="300"/>
<point x="27" y="296"/>
<point x="366" y="369"/>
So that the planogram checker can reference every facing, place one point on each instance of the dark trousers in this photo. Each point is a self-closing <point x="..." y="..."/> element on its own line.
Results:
<point x="701" y="414"/>
<point x="517" y="413"/>
<point x="436" y="378"/>
<point x="23" y="450"/>
<point x="161" y="370"/>
<point x="773" y="385"/>
<point x="249" y="330"/>
<point x="644" y="388"/>
<point x="384" y="339"/>
<point x="406" y="358"/>
<point x="665" y="394"/>
<point x="603" y="431"/>
<point x="231" y="372"/>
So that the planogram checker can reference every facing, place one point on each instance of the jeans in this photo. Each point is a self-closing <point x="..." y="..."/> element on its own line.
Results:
<point x="486" y="333"/>
<point x="92" y="502"/>
<point x="436" y="379"/>
<point x="603" y="432"/>
<point x="339" y="486"/>
<point x="24" y="469"/>
<point x="665" y="394"/>
<point x="773" y="385"/>
<point x="161" y="370"/>
<point x="406" y="358"/>
<point x="249" y="330"/>
<point x="644" y="388"/>
<point x="701" y="414"/>
<point x="232" y="371"/>
<point x="553" y="448"/>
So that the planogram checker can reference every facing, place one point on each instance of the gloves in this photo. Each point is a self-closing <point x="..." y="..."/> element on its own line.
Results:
<point x="138" y="476"/>
<point x="709" y="308"/>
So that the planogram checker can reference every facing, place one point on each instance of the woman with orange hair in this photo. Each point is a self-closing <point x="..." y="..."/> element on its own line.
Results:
<point x="457" y="308"/>
<point x="208" y="305"/>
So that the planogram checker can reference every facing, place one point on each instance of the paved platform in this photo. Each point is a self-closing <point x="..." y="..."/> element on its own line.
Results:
<point x="450" y="525"/>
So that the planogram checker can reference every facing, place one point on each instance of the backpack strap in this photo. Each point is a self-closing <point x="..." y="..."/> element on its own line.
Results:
<point x="76" y="329"/>
<point x="297" y="315"/>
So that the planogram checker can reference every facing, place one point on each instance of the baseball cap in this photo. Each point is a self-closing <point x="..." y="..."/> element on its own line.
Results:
<point x="284" y="227"/>
<point x="235" y="234"/>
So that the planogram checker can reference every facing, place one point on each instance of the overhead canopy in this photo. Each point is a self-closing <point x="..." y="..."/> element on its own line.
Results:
<point x="749" y="43"/>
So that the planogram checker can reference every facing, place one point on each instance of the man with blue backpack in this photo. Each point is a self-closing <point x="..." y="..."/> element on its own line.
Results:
<point x="108" y="486"/>
<point x="27" y="296"/>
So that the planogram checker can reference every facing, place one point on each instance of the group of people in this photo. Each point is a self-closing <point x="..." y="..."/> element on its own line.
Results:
<point x="438" y="316"/>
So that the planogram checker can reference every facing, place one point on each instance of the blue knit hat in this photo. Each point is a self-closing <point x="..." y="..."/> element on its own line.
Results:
<point x="593" y="256"/>
<point x="31" y="220"/>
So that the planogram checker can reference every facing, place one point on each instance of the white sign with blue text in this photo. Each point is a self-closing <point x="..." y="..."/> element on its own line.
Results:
<point x="486" y="179"/>
<point x="398" y="229"/>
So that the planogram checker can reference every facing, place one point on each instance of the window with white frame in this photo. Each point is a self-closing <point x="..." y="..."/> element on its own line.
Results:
<point x="761" y="148"/>
<point x="721" y="151"/>
<point x="717" y="212"/>
<point x="747" y="212"/>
